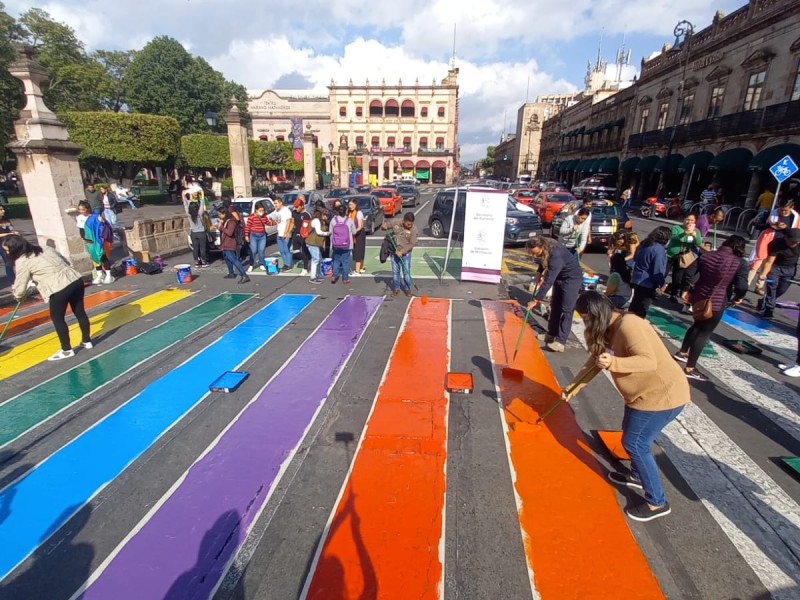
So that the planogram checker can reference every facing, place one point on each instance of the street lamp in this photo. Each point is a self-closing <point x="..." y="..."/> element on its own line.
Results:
<point x="211" y="118"/>
<point x="683" y="30"/>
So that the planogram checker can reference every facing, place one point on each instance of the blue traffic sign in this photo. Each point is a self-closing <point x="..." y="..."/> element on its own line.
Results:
<point x="783" y="169"/>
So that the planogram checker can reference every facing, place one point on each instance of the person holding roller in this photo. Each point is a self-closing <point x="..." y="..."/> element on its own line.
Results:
<point x="403" y="237"/>
<point x="559" y="270"/>
<point x="652" y="386"/>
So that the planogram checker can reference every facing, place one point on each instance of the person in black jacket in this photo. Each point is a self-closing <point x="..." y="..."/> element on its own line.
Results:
<point x="559" y="270"/>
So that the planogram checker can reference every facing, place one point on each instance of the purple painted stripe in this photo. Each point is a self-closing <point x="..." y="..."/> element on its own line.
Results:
<point x="185" y="546"/>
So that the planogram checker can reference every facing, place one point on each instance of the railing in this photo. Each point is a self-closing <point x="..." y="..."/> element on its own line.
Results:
<point x="439" y="151"/>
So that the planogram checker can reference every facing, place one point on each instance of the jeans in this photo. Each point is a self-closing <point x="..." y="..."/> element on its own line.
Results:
<point x="9" y="266"/>
<point x="129" y="200"/>
<point x="199" y="246"/>
<point x="697" y="335"/>
<point x="258" y="243"/>
<point x="72" y="295"/>
<point x="341" y="263"/>
<point x="232" y="260"/>
<point x="398" y="271"/>
<point x="316" y="252"/>
<point x="286" y="253"/>
<point x="642" y="299"/>
<point x="639" y="430"/>
<point x="781" y="281"/>
<point x="111" y="217"/>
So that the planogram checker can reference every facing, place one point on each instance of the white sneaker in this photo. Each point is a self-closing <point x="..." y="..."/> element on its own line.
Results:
<point x="250" y="269"/>
<point x="108" y="278"/>
<point x="98" y="278"/>
<point x="791" y="371"/>
<point x="87" y="345"/>
<point x="262" y="268"/>
<point x="304" y="272"/>
<point x="62" y="354"/>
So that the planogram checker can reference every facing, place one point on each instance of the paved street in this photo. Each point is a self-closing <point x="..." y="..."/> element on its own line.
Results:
<point x="341" y="468"/>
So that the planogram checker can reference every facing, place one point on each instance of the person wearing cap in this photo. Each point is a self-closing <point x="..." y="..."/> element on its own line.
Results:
<point x="779" y="269"/>
<point x="301" y="216"/>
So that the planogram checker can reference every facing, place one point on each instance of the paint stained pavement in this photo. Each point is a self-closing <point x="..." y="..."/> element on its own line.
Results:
<point x="342" y="467"/>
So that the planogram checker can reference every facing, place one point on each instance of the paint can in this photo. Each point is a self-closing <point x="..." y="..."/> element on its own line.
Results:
<point x="326" y="267"/>
<point x="129" y="266"/>
<point x="272" y="266"/>
<point x="183" y="273"/>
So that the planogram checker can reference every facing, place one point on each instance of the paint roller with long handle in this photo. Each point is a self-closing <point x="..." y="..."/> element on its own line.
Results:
<point x="402" y="262"/>
<point x="11" y="318"/>
<point x="568" y="392"/>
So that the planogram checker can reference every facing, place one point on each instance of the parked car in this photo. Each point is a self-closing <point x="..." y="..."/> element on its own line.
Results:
<point x="245" y="207"/>
<point x="520" y="225"/>
<point x="547" y="204"/>
<point x="607" y="219"/>
<point x="409" y="194"/>
<point x="311" y="197"/>
<point x="597" y="186"/>
<point x="523" y="195"/>
<point x="555" y="186"/>
<point x="370" y="207"/>
<point x="391" y="201"/>
<point x="364" y="189"/>
<point x="339" y="193"/>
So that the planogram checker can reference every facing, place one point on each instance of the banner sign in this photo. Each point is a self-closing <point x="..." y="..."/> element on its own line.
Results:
<point x="484" y="233"/>
<point x="296" y="136"/>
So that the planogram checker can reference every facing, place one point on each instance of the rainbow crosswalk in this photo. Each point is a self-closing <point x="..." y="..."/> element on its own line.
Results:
<point x="381" y="529"/>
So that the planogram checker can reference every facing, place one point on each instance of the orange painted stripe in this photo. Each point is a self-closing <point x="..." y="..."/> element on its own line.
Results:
<point x="577" y="540"/>
<point x="8" y="309"/>
<point x="385" y="537"/>
<point x="20" y="324"/>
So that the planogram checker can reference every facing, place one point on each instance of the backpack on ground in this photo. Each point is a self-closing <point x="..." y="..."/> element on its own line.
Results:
<point x="340" y="233"/>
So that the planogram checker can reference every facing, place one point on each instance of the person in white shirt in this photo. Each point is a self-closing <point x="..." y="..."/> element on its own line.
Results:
<point x="124" y="195"/>
<point x="282" y="216"/>
<point x="572" y="234"/>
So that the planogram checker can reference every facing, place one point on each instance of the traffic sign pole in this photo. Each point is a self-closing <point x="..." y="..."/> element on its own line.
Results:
<point x="777" y="195"/>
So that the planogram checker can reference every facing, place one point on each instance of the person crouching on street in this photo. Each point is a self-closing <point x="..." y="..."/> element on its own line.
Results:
<point x="403" y="237"/>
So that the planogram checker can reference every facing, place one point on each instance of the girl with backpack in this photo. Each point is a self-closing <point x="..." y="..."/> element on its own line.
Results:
<point x="342" y="232"/>
<point x="229" y="245"/>
<point x="302" y="227"/>
<point x="316" y="241"/>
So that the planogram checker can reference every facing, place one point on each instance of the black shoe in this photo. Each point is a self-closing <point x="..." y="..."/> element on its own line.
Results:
<point x="767" y="315"/>
<point x="315" y="280"/>
<point x="334" y="279"/>
<point x="230" y="276"/>
<point x="285" y="269"/>
<point x="624" y="480"/>
<point x="695" y="374"/>
<point x="643" y="513"/>
<point x="681" y="357"/>
<point x="244" y="279"/>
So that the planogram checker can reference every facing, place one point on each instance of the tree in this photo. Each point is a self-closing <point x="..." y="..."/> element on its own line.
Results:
<point x="112" y="92"/>
<point x="11" y="98"/>
<point x="207" y="151"/>
<point x="488" y="163"/>
<point x="120" y="143"/>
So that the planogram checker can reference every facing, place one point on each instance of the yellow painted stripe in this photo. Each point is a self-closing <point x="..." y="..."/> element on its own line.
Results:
<point x="31" y="353"/>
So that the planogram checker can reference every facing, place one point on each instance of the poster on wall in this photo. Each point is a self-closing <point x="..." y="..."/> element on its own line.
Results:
<point x="484" y="231"/>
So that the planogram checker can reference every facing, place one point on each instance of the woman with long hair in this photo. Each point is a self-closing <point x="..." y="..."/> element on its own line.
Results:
<point x="682" y="250"/>
<point x="198" y="234"/>
<point x="58" y="283"/>
<point x="650" y="382"/>
<point x="716" y="271"/>
<point x="316" y="240"/>
<point x="649" y="270"/>
<point x="618" y="286"/>
<point x="560" y="271"/>
<point x="229" y="245"/>
<point x="360" y="238"/>
<point x="98" y="236"/>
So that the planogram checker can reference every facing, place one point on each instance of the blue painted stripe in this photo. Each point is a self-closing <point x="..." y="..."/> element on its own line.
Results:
<point x="749" y="322"/>
<point x="46" y="497"/>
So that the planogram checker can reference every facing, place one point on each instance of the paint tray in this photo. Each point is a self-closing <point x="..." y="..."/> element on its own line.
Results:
<point x="459" y="383"/>
<point x="228" y="381"/>
<point x="613" y="441"/>
<point x="742" y="346"/>
<point x="792" y="464"/>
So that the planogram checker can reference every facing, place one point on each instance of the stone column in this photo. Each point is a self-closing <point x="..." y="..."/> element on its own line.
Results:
<point x="47" y="162"/>
<point x="391" y="168"/>
<point x="380" y="171"/>
<point x="309" y="161"/>
<point x="344" y="163"/>
<point x="240" y="156"/>
<point x="365" y="166"/>
<point x="754" y="190"/>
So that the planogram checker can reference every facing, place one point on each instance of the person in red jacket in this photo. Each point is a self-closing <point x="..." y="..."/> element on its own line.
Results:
<point x="255" y="234"/>
<point x="228" y="244"/>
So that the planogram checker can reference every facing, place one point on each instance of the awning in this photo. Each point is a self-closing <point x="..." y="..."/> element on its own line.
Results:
<point x="629" y="164"/>
<point x="582" y="166"/>
<point x="439" y="164"/>
<point x="610" y="165"/>
<point x="555" y="166"/>
<point x="698" y="160"/>
<point x="423" y="173"/>
<point x="373" y="163"/>
<point x="423" y="164"/>
<point x="670" y="166"/>
<point x="769" y="156"/>
<point x="619" y="122"/>
<point x="571" y="164"/>
<point x="581" y="129"/>
<point x="407" y="164"/>
<point x="647" y="163"/>
<point x="595" y="166"/>
<point x="733" y="159"/>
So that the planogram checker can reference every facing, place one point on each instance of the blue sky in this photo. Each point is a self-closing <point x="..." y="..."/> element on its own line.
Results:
<point x="501" y="45"/>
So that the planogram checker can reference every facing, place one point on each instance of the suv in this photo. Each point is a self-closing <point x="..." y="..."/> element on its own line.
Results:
<point x="520" y="225"/>
<point x="409" y="193"/>
<point x="596" y="187"/>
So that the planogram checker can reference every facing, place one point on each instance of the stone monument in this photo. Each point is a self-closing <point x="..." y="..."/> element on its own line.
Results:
<point x="344" y="163"/>
<point x="309" y="160"/>
<point x="240" y="156"/>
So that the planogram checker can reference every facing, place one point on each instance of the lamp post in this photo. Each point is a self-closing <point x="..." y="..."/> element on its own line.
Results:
<point x="685" y="30"/>
<point x="331" y="161"/>
<point x="211" y="118"/>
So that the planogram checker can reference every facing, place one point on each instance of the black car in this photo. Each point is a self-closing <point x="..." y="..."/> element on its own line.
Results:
<point x="364" y="189"/>
<point x="410" y="194"/>
<point x="371" y="208"/>
<point x="520" y="225"/>
<point x="339" y="192"/>
<point x="607" y="219"/>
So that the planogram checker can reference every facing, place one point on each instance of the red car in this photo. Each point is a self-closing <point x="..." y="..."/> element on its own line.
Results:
<point x="524" y="195"/>
<point x="546" y="204"/>
<point x="391" y="201"/>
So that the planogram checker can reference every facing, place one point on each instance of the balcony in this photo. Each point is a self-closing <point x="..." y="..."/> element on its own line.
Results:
<point x="434" y="151"/>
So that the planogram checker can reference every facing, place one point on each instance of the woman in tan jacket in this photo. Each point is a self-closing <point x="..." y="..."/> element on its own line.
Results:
<point x="57" y="282"/>
<point x="652" y="385"/>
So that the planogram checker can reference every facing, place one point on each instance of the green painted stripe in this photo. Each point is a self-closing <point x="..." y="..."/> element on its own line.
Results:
<point x="30" y="408"/>
<point x="675" y="328"/>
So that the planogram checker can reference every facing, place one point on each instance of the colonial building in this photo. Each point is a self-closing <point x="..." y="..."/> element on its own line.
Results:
<point x="388" y="129"/>
<point x="719" y="108"/>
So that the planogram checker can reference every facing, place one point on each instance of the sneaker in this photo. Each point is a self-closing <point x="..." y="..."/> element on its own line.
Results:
<point x="244" y="279"/>
<point x="62" y="354"/>
<point x="695" y="374"/>
<point x="362" y="272"/>
<point x="98" y="279"/>
<point x="355" y="274"/>
<point x="790" y="371"/>
<point x="315" y="281"/>
<point x="304" y="272"/>
<point x="87" y="345"/>
<point x="555" y="346"/>
<point x="334" y="279"/>
<point x="346" y="281"/>
<point x="204" y="265"/>
<point x="546" y="338"/>
<point x="262" y="268"/>
<point x="407" y="292"/>
<point x="109" y="278"/>
<point x="250" y="269"/>
<point x="643" y="513"/>
<point x="767" y="315"/>
<point x="624" y="480"/>
<point x="395" y="292"/>
<point x="286" y="269"/>
<point x="681" y="357"/>
<point x="230" y="276"/>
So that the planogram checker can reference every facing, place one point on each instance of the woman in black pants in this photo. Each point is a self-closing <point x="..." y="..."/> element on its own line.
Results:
<point x="58" y="283"/>
<point x="716" y="270"/>
<point x="649" y="270"/>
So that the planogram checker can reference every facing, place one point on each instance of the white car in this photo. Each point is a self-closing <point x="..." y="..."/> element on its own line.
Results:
<point x="245" y="207"/>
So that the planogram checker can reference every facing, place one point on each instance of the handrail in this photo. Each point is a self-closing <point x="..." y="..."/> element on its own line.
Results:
<point x="729" y="215"/>
<point x="741" y="218"/>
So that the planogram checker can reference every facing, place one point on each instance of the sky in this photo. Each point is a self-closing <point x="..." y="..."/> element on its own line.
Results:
<point x="505" y="49"/>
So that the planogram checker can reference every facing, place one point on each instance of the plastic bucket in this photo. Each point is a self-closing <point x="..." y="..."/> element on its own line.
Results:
<point x="129" y="266"/>
<point x="272" y="266"/>
<point x="159" y="261"/>
<point x="183" y="273"/>
<point x="326" y="267"/>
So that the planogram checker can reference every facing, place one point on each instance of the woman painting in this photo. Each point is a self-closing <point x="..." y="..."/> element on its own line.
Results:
<point x="652" y="387"/>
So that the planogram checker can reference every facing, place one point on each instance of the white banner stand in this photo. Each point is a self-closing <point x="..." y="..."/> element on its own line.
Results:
<point x="484" y="234"/>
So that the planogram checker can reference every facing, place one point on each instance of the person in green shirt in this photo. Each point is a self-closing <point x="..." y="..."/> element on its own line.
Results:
<point x="682" y="251"/>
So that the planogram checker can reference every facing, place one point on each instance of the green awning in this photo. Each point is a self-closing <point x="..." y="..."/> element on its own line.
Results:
<point x="595" y="166"/>
<point x="733" y="159"/>
<point x="581" y="129"/>
<point x="610" y="165"/>
<point x="698" y="160"/>
<point x="647" y="164"/>
<point x="424" y="173"/>
<point x="769" y="156"/>
<point x="619" y="122"/>
<point x="582" y="166"/>
<point x="670" y="166"/>
<point x="629" y="164"/>
<point x="573" y="164"/>
<point x="554" y="166"/>
<point x="608" y="125"/>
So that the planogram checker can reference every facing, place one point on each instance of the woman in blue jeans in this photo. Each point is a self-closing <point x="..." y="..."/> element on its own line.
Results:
<point x="651" y="383"/>
<point x="229" y="245"/>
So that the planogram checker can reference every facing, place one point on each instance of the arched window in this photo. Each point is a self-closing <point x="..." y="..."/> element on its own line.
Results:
<point x="342" y="111"/>
<point x="423" y="112"/>
<point x="441" y="111"/>
<point x="392" y="109"/>
<point x="375" y="108"/>
<point x="390" y="142"/>
<point x="423" y="143"/>
<point x="376" y="141"/>
<point x="440" y="143"/>
<point x="263" y="136"/>
<point x="407" y="144"/>
<point x="407" y="109"/>
<point x="279" y="138"/>
<point x="359" y="111"/>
